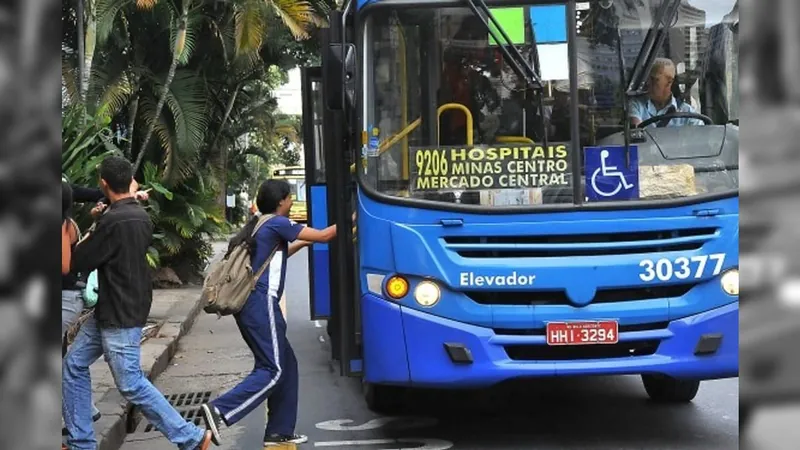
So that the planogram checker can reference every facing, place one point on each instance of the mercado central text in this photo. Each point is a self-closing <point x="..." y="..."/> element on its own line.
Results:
<point x="500" y="167"/>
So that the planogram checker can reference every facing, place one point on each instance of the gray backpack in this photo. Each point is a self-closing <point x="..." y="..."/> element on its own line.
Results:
<point x="230" y="281"/>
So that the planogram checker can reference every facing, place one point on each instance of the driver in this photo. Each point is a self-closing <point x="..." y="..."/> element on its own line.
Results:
<point x="659" y="99"/>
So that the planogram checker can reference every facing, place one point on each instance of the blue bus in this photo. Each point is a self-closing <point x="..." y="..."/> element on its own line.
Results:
<point x="509" y="224"/>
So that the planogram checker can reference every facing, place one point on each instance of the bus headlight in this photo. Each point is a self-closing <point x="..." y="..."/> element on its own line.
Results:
<point x="397" y="287"/>
<point x="730" y="282"/>
<point x="789" y="292"/>
<point x="427" y="293"/>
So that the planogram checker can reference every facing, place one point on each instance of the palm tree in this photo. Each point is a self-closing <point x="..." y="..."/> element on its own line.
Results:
<point x="129" y="73"/>
<point x="172" y="77"/>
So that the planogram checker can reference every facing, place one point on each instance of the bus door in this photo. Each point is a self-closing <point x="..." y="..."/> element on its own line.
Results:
<point x="316" y="193"/>
<point x="330" y="91"/>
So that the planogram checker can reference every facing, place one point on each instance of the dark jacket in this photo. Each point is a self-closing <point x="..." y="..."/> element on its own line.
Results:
<point x="118" y="249"/>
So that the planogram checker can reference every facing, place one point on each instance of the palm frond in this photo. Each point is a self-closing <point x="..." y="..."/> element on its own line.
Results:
<point x="186" y="42"/>
<point x="146" y="5"/>
<point x="116" y="95"/>
<point x="108" y="82"/>
<point x="298" y="16"/>
<point x="107" y="12"/>
<point x="249" y="27"/>
<point x="69" y="80"/>
<point x="186" y="100"/>
<point x="147" y="110"/>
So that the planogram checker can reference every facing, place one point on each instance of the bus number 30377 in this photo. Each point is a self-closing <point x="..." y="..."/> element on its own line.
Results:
<point x="681" y="268"/>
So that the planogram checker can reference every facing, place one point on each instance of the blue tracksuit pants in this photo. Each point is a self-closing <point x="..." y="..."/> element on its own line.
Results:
<point x="274" y="378"/>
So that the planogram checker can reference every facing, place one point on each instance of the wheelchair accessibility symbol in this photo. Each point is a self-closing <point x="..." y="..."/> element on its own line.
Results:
<point x="608" y="174"/>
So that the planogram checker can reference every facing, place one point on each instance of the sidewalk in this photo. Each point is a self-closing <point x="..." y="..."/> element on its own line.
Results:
<point x="174" y="312"/>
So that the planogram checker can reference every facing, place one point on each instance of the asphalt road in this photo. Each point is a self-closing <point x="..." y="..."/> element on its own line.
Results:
<point x="596" y="413"/>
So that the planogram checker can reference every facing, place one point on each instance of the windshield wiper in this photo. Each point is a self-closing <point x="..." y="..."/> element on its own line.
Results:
<point x="655" y="37"/>
<point x="518" y="62"/>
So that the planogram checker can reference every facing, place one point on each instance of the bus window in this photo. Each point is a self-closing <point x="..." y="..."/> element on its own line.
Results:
<point x="450" y="119"/>
<point x="446" y="70"/>
<point x="696" y="64"/>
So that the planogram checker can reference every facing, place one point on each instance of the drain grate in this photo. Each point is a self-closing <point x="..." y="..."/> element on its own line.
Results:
<point x="191" y="415"/>
<point x="188" y="406"/>
<point x="189" y="399"/>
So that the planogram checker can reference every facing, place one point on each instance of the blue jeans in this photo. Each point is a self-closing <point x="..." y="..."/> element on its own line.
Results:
<point x="121" y="348"/>
<point x="71" y="309"/>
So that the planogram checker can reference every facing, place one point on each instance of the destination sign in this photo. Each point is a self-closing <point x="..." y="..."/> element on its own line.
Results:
<point x="489" y="167"/>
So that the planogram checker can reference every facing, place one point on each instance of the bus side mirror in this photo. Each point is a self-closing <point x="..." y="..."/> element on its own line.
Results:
<point x="335" y="85"/>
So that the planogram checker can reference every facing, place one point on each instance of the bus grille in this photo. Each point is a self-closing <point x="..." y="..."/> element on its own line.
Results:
<point x="552" y="246"/>
<point x="560" y="297"/>
<point x="581" y="352"/>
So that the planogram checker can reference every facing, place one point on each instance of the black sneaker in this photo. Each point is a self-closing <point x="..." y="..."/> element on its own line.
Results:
<point x="275" y="440"/>
<point x="95" y="418"/>
<point x="213" y="421"/>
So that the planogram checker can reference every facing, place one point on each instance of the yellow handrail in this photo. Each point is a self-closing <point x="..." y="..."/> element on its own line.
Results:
<point x="467" y="113"/>
<point x="510" y="139"/>
<point x="387" y="144"/>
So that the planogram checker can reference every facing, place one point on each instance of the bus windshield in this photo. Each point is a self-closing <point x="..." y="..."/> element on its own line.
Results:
<point x="447" y="118"/>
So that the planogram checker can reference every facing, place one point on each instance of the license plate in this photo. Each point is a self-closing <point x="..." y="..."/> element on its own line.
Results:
<point x="582" y="333"/>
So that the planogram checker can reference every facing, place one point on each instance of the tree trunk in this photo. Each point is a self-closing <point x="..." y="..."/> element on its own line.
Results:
<point x="223" y="153"/>
<point x="90" y="38"/>
<point x="81" y="52"/>
<point x="176" y="54"/>
<point x="133" y="110"/>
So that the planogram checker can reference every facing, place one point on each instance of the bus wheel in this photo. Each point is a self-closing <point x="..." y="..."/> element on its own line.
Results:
<point x="383" y="399"/>
<point x="664" y="389"/>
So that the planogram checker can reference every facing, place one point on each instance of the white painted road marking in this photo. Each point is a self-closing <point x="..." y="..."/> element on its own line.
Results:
<point x="427" y="444"/>
<point x="401" y="423"/>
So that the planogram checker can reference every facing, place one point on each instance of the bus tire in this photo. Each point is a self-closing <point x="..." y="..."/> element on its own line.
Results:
<point x="382" y="399"/>
<point x="664" y="389"/>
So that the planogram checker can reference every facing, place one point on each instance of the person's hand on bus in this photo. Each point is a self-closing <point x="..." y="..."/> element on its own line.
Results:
<point x="354" y="217"/>
<point x="313" y="235"/>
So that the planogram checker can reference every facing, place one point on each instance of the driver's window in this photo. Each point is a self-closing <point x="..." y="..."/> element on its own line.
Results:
<point x="700" y="82"/>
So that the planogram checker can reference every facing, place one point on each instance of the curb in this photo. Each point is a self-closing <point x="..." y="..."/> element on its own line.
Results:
<point x="111" y="429"/>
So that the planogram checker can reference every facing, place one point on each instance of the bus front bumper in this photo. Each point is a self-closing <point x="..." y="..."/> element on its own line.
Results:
<point x="407" y="347"/>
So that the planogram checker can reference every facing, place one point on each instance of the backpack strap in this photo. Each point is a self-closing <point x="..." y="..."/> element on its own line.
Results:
<point x="266" y="263"/>
<point x="261" y="221"/>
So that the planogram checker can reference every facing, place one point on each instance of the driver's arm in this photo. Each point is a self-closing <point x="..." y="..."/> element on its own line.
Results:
<point x="635" y="112"/>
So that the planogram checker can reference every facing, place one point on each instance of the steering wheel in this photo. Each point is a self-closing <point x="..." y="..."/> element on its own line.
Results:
<point x="676" y="115"/>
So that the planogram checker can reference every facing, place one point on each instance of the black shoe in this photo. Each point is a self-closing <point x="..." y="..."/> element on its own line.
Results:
<point x="95" y="418"/>
<point x="213" y="421"/>
<point x="275" y="440"/>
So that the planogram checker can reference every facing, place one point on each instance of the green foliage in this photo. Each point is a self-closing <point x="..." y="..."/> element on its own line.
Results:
<point x="185" y="218"/>
<point x="219" y="126"/>
<point x="86" y="141"/>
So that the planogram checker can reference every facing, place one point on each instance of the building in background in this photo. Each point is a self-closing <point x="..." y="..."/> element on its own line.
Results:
<point x="289" y="96"/>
